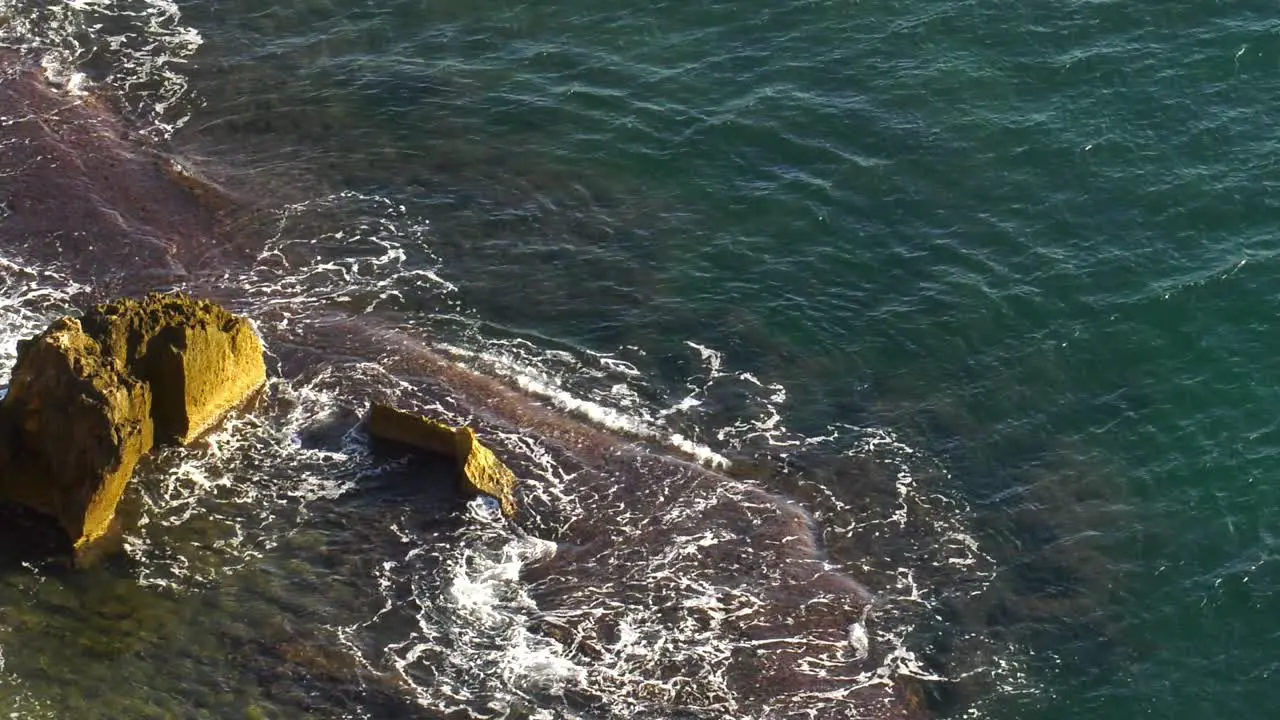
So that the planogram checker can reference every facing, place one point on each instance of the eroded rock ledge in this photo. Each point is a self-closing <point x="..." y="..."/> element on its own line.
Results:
<point x="480" y="472"/>
<point x="89" y="397"/>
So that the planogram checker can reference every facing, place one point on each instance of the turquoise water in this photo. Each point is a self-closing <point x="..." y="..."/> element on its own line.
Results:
<point x="1035" y="241"/>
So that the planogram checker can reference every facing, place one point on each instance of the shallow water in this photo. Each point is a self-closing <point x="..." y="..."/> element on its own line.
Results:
<point x="977" y="293"/>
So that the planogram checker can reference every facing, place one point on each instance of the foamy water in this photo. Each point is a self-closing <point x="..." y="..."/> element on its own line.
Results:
<point x="142" y="45"/>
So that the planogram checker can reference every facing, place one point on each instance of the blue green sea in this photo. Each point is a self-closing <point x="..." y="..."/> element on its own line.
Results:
<point x="974" y="296"/>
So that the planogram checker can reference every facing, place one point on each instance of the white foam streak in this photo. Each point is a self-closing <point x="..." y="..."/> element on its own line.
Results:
<point x="535" y="381"/>
<point x="294" y="274"/>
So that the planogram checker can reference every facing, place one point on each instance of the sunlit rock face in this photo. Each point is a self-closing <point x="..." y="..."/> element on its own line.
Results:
<point x="89" y="397"/>
<point x="480" y="472"/>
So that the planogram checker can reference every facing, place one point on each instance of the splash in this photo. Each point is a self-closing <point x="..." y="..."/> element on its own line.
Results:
<point x="216" y="507"/>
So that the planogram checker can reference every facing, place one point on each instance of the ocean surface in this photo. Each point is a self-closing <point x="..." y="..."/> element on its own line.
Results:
<point x="911" y="356"/>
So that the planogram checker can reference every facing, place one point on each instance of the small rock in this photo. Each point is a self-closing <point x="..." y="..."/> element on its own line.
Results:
<point x="480" y="471"/>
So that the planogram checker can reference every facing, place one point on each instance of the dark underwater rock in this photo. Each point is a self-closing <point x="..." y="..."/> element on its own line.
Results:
<point x="90" y="397"/>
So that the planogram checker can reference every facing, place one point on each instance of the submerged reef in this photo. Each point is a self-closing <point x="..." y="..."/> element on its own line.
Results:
<point x="743" y="609"/>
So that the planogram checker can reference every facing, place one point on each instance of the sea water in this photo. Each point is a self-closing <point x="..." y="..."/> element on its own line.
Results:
<point x="973" y="295"/>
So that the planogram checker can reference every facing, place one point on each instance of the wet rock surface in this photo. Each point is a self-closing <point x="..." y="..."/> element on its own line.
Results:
<point x="199" y="359"/>
<point x="480" y="472"/>
<point x="90" y="397"/>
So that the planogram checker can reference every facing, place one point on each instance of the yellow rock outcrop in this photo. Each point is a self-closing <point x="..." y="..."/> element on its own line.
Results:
<point x="89" y="397"/>
<point x="480" y="471"/>
<point x="200" y="360"/>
